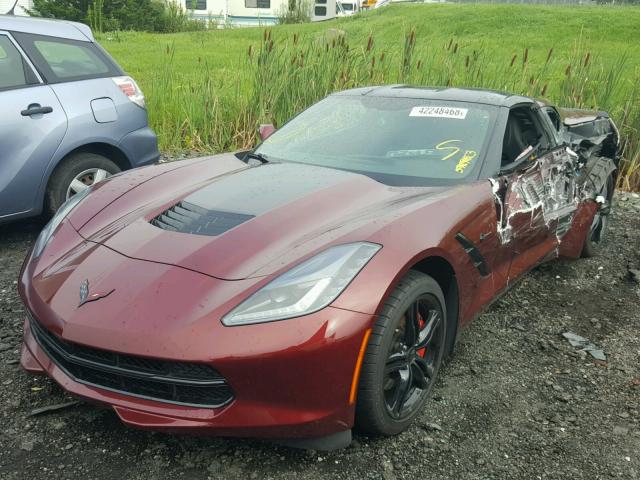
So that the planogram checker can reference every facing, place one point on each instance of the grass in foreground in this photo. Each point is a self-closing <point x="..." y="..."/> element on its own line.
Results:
<point x="207" y="91"/>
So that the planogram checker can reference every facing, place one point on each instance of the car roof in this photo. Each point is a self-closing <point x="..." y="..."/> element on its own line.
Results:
<point x="46" y="26"/>
<point x="472" y="95"/>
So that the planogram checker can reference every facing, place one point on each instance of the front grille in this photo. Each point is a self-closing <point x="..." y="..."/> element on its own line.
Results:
<point x="192" y="384"/>
<point x="186" y="217"/>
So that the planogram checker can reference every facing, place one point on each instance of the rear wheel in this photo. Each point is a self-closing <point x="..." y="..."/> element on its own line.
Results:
<point x="74" y="174"/>
<point x="403" y="356"/>
<point x="598" y="230"/>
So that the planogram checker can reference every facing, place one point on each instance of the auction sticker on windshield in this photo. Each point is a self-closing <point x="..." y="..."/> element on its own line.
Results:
<point x="439" y="112"/>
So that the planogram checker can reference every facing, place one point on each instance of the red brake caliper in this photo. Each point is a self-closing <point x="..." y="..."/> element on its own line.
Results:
<point x="421" y="323"/>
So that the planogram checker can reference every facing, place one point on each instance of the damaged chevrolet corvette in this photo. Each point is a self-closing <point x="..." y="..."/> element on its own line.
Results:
<point x="314" y="284"/>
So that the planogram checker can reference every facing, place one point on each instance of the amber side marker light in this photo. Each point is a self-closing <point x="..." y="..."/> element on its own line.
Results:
<point x="356" y="372"/>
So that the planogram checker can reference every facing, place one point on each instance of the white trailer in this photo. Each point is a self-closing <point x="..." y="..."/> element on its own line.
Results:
<point x="17" y="7"/>
<point x="238" y="13"/>
<point x="324" y="10"/>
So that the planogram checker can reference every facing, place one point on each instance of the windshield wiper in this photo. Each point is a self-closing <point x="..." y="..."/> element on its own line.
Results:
<point x="257" y="156"/>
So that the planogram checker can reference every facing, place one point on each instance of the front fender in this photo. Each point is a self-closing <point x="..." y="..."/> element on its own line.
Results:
<point x="428" y="232"/>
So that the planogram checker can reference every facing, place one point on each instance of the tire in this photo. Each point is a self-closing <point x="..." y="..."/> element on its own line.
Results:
<point x="88" y="168"/>
<point x="383" y="369"/>
<point x="596" y="235"/>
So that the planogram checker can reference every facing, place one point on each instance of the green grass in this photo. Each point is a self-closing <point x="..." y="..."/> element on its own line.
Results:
<point x="205" y="92"/>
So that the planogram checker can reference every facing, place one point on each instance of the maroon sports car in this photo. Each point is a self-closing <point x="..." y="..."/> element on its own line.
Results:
<point x="315" y="283"/>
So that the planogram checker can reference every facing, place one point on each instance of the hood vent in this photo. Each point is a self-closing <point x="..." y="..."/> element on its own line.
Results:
<point x="186" y="217"/>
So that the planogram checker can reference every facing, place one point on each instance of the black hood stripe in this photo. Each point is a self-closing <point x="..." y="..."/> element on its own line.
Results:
<point x="258" y="190"/>
<point x="233" y="199"/>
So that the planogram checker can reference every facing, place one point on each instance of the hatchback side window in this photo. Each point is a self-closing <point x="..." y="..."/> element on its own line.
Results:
<point x="13" y="70"/>
<point x="63" y="60"/>
<point x="68" y="61"/>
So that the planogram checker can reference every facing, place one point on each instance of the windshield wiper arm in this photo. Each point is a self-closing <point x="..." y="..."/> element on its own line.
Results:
<point x="257" y="156"/>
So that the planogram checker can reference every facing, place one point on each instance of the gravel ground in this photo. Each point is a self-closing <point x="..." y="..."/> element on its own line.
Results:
<point x="515" y="401"/>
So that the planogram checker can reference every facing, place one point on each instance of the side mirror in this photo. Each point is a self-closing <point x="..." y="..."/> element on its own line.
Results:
<point x="265" y="130"/>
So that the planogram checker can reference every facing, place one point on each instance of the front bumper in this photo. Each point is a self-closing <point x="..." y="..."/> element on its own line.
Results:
<point x="296" y="391"/>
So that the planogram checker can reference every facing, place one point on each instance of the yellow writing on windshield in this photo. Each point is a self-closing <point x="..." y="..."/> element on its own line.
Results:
<point x="446" y="146"/>
<point x="465" y="160"/>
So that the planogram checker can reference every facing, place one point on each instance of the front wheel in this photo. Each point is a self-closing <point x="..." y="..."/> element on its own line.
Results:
<point x="74" y="174"/>
<point x="403" y="357"/>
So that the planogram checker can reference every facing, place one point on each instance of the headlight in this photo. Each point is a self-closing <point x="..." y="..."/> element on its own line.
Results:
<point x="306" y="288"/>
<point x="60" y="215"/>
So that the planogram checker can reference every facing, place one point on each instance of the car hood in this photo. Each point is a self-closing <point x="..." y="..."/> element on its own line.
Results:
<point x="232" y="222"/>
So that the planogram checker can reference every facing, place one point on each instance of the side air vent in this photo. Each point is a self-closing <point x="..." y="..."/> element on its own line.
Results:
<point x="474" y="254"/>
<point x="186" y="217"/>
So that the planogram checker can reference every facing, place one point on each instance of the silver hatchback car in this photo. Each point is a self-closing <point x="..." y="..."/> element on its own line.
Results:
<point x="69" y="116"/>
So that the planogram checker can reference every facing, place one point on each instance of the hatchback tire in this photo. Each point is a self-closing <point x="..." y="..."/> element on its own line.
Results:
<point x="76" y="172"/>
<point x="403" y="356"/>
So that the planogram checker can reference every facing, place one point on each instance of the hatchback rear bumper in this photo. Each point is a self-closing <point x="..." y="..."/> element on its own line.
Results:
<point x="140" y="147"/>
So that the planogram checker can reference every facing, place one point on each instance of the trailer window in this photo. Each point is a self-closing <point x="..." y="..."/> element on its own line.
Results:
<point x="257" y="3"/>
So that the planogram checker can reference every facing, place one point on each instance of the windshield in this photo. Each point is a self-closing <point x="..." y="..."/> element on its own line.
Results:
<point x="397" y="141"/>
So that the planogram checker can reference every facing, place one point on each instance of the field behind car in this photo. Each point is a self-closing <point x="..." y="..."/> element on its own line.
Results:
<point x="207" y="91"/>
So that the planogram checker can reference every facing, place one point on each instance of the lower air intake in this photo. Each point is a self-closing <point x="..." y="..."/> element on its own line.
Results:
<point x="183" y="383"/>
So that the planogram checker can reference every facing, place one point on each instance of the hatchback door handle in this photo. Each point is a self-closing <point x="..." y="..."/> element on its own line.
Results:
<point x="35" y="109"/>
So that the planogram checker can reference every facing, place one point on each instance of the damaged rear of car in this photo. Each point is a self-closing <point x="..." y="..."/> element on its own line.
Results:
<point x="564" y="174"/>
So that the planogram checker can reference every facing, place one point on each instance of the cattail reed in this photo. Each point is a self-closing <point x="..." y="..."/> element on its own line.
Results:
<point x="370" y="43"/>
<point x="203" y="111"/>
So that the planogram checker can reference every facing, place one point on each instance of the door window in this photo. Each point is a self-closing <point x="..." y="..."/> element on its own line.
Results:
<point x="14" y="72"/>
<point x="523" y="130"/>
<point x="553" y="116"/>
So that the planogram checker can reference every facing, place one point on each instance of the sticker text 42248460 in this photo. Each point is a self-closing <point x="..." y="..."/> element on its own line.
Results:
<point x="439" y="112"/>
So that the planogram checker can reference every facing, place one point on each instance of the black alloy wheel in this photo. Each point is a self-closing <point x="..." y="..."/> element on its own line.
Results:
<point x="412" y="362"/>
<point x="403" y="356"/>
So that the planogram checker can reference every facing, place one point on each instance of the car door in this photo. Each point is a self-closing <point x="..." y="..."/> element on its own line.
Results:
<point x="32" y="125"/>
<point x="559" y="171"/>
<point x="522" y="188"/>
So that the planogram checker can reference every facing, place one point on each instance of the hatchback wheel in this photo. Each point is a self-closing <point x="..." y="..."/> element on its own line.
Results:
<point x="403" y="357"/>
<point x="74" y="174"/>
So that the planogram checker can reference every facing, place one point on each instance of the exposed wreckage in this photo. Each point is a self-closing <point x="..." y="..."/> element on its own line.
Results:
<point x="550" y="189"/>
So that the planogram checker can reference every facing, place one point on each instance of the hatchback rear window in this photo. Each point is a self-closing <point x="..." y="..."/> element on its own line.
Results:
<point x="62" y="60"/>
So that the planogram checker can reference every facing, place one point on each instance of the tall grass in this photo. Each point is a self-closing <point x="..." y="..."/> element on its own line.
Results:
<point x="278" y="77"/>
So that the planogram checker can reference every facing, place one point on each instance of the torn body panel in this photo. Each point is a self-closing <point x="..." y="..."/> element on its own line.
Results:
<point x="540" y="198"/>
<point x="547" y="207"/>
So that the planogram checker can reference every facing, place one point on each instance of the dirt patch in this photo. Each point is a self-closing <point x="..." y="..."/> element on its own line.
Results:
<point x="515" y="401"/>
